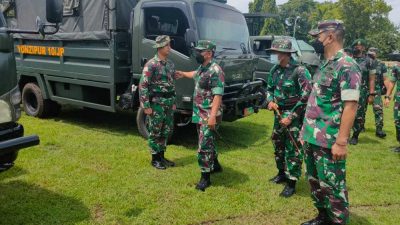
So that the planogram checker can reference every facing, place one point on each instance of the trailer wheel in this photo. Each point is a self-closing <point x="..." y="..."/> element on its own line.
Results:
<point x="34" y="104"/>
<point x="142" y="122"/>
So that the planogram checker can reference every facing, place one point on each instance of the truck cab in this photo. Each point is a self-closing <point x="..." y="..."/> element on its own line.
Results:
<point x="11" y="132"/>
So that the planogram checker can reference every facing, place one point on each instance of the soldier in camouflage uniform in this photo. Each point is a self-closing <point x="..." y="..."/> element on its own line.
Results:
<point x="157" y="98"/>
<point x="207" y="111"/>
<point x="288" y="89"/>
<point x="330" y="113"/>
<point x="390" y="82"/>
<point x="367" y="92"/>
<point x="381" y="71"/>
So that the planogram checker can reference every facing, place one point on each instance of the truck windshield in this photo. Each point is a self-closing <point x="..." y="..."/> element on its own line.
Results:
<point x="226" y="27"/>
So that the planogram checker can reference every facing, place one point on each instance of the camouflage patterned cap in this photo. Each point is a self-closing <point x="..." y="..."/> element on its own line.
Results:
<point x="372" y="51"/>
<point x="327" y="25"/>
<point x="162" y="41"/>
<point x="282" y="45"/>
<point x="206" y="45"/>
<point x="362" y="42"/>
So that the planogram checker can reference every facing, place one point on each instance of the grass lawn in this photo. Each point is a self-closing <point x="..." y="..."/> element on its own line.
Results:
<point x="94" y="168"/>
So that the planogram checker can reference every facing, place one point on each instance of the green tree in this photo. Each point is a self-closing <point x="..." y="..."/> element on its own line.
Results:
<point x="302" y="9"/>
<point x="269" y="25"/>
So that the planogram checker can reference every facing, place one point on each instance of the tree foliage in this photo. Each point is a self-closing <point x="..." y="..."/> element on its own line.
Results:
<point x="367" y="19"/>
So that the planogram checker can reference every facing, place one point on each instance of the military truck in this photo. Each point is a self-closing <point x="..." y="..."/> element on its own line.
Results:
<point x="96" y="58"/>
<point x="304" y="54"/>
<point x="11" y="133"/>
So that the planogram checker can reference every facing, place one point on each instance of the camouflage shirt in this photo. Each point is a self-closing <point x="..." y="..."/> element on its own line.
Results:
<point x="290" y="88"/>
<point x="337" y="80"/>
<point x="395" y="77"/>
<point x="368" y="68"/>
<point x="381" y="71"/>
<point x="209" y="81"/>
<point x="158" y="77"/>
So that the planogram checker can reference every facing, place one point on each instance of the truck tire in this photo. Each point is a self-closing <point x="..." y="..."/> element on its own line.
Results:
<point x="34" y="104"/>
<point x="141" y="122"/>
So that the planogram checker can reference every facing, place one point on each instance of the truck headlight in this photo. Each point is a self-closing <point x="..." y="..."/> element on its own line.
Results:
<point x="5" y="112"/>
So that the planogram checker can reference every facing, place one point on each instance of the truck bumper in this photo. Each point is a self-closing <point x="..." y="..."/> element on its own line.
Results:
<point x="241" y="100"/>
<point x="11" y="141"/>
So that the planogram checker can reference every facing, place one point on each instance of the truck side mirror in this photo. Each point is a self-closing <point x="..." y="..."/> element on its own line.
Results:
<point x="54" y="11"/>
<point x="190" y="37"/>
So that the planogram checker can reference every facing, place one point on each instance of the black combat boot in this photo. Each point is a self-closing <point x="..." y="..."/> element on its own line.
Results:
<point x="217" y="167"/>
<point x="165" y="161"/>
<point x="289" y="189"/>
<point x="204" y="182"/>
<point x="397" y="149"/>
<point x="354" y="139"/>
<point x="321" y="219"/>
<point x="380" y="133"/>
<point x="156" y="162"/>
<point x="279" y="178"/>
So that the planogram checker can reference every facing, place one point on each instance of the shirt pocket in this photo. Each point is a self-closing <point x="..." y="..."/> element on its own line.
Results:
<point x="326" y="86"/>
<point x="288" y="88"/>
<point x="204" y="82"/>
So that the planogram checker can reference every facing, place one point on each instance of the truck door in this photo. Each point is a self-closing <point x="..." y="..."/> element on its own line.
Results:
<point x="171" y="18"/>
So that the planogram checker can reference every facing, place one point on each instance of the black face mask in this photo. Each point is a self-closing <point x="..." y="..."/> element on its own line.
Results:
<point x="357" y="51"/>
<point x="319" y="47"/>
<point x="199" y="58"/>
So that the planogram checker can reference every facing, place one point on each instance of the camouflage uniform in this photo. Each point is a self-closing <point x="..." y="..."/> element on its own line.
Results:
<point x="157" y="91"/>
<point x="290" y="88"/>
<point x="381" y="70"/>
<point x="336" y="81"/>
<point x="209" y="81"/>
<point x="396" y="111"/>
<point x="368" y="68"/>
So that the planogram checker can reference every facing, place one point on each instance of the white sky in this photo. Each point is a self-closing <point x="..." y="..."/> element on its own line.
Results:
<point x="243" y="5"/>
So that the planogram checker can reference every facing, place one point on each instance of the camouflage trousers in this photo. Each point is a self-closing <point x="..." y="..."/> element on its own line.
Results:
<point x="396" y="113"/>
<point x="160" y="125"/>
<point x="359" y="121"/>
<point x="207" y="150"/>
<point x="378" y="111"/>
<point x="287" y="157"/>
<point x="327" y="179"/>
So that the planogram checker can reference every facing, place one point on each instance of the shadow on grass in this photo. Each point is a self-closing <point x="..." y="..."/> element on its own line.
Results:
<point x="238" y="135"/>
<point x="23" y="203"/>
<point x="229" y="178"/>
<point x="11" y="173"/>
<point x="121" y="123"/>
<point x="134" y="212"/>
<point x="124" y="123"/>
<point x="358" y="220"/>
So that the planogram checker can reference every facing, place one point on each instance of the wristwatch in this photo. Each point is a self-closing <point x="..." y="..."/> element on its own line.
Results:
<point x="388" y="97"/>
<point x="372" y="94"/>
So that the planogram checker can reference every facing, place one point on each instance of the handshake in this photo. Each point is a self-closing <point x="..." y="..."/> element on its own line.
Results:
<point x="181" y="74"/>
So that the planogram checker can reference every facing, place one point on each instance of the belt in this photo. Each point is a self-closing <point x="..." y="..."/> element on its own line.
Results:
<point x="163" y="94"/>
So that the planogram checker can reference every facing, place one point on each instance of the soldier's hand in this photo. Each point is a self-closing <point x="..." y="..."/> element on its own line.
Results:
<point x="286" y="122"/>
<point x="272" y="106"/>
<point x="173" y="107"/>
<point x="386" y="103"/>
<point x="371" y="99"/>
<point x="339" y="152"/>
<point x="212" y="121"/>
<point x="148" y="111"/>
<point x="179" y="75"/>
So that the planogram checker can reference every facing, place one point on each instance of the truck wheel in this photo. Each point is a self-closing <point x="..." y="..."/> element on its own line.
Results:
<point x="35" y="105"/>
<point x="142" y="121"/>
